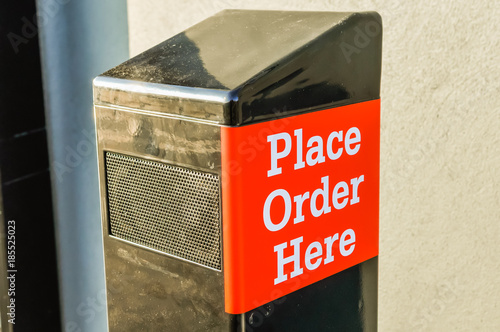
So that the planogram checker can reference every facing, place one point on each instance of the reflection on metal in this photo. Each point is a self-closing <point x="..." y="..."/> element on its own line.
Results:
<point x="146" y="287"/>
<point x="159" y="90"/>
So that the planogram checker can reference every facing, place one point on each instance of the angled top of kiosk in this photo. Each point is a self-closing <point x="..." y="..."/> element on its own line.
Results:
<point x="241" y="66"/>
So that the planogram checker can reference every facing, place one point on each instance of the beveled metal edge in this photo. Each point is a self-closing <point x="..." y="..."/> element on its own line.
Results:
<point x="207" y="105"/>
<point x="165" y="90"/>
<point x="158" y="114"/>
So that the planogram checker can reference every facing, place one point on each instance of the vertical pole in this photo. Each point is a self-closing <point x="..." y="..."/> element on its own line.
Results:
<point x="79" y="40"/>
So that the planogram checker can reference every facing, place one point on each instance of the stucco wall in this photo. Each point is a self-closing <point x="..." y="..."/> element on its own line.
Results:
<point x="440" y="158"/>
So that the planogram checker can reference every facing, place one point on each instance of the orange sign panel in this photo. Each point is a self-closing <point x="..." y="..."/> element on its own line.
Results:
<point x="300" y="198"/>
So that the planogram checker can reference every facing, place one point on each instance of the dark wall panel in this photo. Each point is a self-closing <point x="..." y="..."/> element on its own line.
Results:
<point x="25" y="195"/>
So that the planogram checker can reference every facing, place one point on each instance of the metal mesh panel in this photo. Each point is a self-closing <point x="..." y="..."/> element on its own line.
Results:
<point x="171" y="209"/>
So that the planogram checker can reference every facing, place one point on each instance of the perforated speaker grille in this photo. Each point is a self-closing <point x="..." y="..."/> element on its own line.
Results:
<point x="168" y="208"/>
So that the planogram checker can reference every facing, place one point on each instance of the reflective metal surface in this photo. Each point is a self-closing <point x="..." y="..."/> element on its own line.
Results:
<point x="147" y="289"/>
<point x="182" y="102"/>
<point x="253" y="63"/>
<point x="228" y="49"/>
<point x="160" y="137"/>
<point x="346" y="301"/>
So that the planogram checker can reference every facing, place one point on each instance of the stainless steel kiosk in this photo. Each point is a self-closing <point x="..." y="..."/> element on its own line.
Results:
<point x="239" y="176"/>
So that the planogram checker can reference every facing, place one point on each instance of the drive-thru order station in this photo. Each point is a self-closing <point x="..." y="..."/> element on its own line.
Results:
<point x="239" y="176"/>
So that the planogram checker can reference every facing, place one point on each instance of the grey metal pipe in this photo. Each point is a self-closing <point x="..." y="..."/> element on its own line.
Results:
<point x="78" y="40"/>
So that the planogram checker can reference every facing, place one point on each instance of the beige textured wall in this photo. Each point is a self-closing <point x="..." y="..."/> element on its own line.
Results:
<point x="440" y="162"/>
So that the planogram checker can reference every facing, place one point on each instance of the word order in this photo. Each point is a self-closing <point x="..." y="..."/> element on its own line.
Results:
<point x="314" y="253"/>
<point x="340" y="199"/>
<point x="315" y="153"/>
